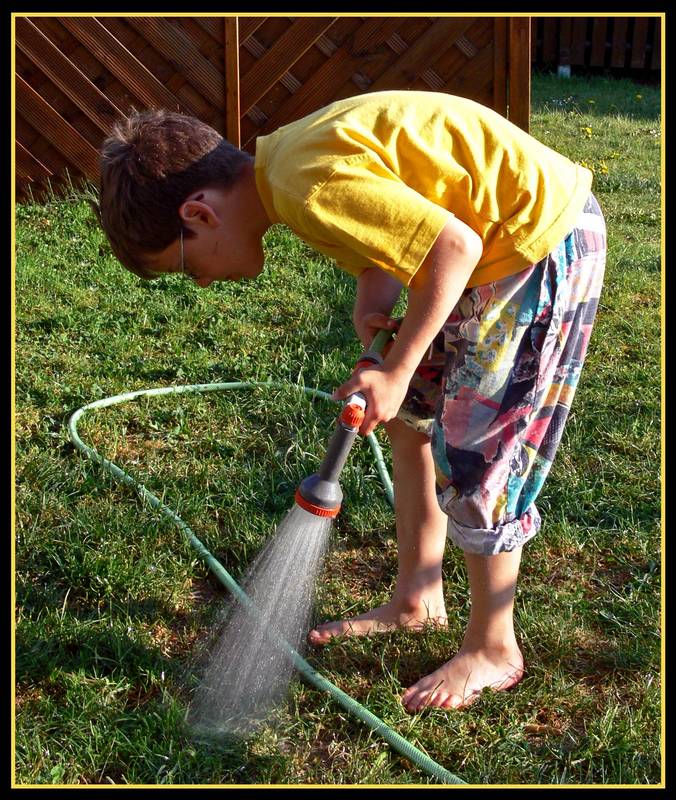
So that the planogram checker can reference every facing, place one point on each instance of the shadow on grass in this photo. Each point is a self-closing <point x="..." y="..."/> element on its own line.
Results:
<point x="85" y="673"/>
<point x="79" y="644"/>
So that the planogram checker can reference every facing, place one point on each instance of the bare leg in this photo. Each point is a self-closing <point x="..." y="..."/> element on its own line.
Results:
<point x="489" y="655"/>
<point x="421" y="538"/>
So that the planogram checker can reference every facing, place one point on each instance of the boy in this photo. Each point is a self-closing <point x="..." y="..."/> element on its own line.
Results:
<point x="501" y="247"/>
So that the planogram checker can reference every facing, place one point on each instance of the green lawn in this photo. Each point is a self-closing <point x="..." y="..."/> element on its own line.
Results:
<point x="113" y="607"/>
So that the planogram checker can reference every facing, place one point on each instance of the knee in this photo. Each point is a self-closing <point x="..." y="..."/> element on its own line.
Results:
<point x="404" y="436"/>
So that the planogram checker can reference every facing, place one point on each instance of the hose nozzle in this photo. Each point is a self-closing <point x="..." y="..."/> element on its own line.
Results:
<point x="320" y="493"/>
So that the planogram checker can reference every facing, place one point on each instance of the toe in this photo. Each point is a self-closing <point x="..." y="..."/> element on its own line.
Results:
<point x="323" y="634"/>
<point x="457" y="702"/>
<point x="411" y="703"/>
<point x="318" y="637"/>
<point x="417" y="700"/>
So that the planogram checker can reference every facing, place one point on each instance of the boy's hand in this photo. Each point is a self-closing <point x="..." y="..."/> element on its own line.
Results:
<point x="384" y="388"/>
<point x="370" y="324"/>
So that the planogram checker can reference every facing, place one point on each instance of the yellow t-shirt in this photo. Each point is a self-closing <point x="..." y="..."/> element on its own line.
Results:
<point x="372" y="180"/>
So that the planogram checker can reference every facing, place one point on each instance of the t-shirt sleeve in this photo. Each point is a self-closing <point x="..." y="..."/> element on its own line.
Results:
<point x="366" y="209"/>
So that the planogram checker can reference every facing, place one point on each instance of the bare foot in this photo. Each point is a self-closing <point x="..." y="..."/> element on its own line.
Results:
<point x="379" y="620"/>
<point x="459" y="681"/>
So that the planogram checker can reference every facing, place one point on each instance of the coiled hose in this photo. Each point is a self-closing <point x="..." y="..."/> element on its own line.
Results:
<point x="400" y="744"/>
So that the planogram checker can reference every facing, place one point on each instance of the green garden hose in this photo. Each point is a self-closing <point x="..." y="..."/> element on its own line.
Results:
<point x="400" y="744"/>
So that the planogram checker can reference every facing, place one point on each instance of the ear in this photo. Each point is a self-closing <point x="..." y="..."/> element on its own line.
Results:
<point x="199" y="209"/>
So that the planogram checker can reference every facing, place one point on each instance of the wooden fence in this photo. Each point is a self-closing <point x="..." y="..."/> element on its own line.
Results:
<point x="246" y="76"/>
<point x="621" y="45"/>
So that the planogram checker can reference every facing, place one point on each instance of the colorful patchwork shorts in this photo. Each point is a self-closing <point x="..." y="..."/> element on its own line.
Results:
<point x="495" y="390"/>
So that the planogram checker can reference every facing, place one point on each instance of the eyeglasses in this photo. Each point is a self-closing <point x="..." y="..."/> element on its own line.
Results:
<point x="184" y="272"/>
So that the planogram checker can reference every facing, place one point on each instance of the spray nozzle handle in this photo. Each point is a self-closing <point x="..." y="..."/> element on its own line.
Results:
<point x="353" y="411"/>
<point x="356" y="399"/>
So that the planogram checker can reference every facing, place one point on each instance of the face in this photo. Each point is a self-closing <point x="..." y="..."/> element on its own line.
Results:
<point x="225" y="245"/>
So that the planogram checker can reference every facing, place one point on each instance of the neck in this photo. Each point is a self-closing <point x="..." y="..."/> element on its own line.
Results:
<point x="252" y="200"/>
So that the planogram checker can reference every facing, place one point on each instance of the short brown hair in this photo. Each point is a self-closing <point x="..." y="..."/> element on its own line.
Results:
<point x="151" y="161"/>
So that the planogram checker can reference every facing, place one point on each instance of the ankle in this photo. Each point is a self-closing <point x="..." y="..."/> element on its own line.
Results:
<point x="431" y="604"/>
<point x="500" y="642"/>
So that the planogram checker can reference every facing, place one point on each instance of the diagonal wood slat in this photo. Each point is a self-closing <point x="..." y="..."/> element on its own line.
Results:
<point x="177" y="48"/>
<point x="280" y="57"/>
<point x="478" y="71"/>
<point x="120" y="62"/>
<point x="412" y="60"/>
<point x="340" y="65"/>
<point x="373" y="34"/>
<point x="35" y="110"/>
<point x="249" y="26"/>
<point x="29" y="167"/>
<point x="65" y="75"/>
<point x="212" y="25"/>
<point x="316" y="92"/>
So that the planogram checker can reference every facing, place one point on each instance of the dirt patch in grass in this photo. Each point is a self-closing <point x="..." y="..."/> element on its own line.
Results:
<point x="326" y="750"/>
<point x="27" y="695"/>
<point x="547" y="722"/>
<point x="362" y="570"/>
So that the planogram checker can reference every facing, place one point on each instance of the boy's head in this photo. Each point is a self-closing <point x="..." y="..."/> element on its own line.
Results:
<point x="150" y="163"/>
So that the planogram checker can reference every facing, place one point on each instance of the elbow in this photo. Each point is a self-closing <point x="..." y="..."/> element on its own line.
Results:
<point x="456" y="251"/>
<point x="470" y="246"/>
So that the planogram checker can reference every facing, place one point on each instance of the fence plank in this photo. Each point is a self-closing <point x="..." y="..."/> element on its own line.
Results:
<point x="656" y="59"/>
<point x="342" y="62"/>
<point x="120" y="62"/>
<point x="598" y="46"/>
<point x="475" y="75"/>
<point x="372" y="35"/>
<point x="500" y="65"/>
<point x="232" y="88"/>
<point x="316" y="92"/>
<point x="249" y="25"/>
<point x="280" y="58"/>
<point x="638" y="42"/>
<point x="519" y="71"/>
<point x="29" y="167"/>
<point x="375" y="57"/>
<point x="619" y="48"/>
<point x="578" y="41"/>
<point x="79" y="152"/>
<point x="177" y="48"/>
<point x="565" y="39"/>
<point x="69" y="79"/>
<point x="550" y="40"/>
<point x="421" y="54"/>
<point x="212" y="25"/>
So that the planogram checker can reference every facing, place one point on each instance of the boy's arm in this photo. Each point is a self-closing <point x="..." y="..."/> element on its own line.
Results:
<point x="432" y="295"/>
<point x="377" y="294"/>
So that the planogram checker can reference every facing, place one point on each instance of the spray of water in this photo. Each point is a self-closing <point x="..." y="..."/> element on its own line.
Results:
<point x="248" y="672"/>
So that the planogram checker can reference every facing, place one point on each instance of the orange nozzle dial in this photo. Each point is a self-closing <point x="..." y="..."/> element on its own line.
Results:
<point x="352" y="415"/>
<point x="318" y="511"/>
<point x="363" y="363"/>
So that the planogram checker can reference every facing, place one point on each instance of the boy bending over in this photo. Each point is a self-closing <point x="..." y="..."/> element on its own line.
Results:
<point x="501" y="247"/>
